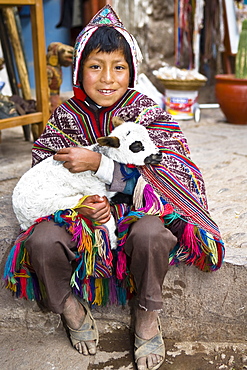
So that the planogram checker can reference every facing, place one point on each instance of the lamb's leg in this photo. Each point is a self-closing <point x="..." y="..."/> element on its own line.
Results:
<point x="67" y="202"/>
<point x="27" y="212"/>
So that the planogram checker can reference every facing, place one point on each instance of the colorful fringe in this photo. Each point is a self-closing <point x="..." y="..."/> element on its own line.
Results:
<point x="102" y="276"/>
<point x="95" y="278"/>
<point x="18" y="273"/>
<point x="195" y="247"/>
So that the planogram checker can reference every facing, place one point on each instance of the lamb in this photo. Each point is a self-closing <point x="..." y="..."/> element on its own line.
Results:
<point x="49" y="186"/>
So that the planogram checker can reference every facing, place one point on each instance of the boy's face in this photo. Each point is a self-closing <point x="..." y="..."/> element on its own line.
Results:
<point x="105" y="77"/>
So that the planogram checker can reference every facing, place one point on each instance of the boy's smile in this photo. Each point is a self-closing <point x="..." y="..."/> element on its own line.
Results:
<point x="105" y="77"/>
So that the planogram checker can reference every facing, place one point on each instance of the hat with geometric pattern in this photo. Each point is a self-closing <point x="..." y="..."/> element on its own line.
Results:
<point x="105" y="17"/>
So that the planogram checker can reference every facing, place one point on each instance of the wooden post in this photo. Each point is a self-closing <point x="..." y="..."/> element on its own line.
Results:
<point x="37" y="22"/>
<point x="8" y="58"/>
<point x="39" y="48"/>
<point x="176" y="22"/>
<point x="94" y="7"/>
<point x="9" y="18"/>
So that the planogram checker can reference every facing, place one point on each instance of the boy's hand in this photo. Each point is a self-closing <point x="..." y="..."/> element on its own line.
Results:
<point x="101" y="209"/>
<point x="78" y="159"/>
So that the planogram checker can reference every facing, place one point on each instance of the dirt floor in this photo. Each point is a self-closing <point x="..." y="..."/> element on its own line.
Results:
<point x="32" y="350"/>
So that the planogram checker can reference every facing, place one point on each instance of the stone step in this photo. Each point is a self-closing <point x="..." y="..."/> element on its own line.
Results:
<point x="198" y="306"/>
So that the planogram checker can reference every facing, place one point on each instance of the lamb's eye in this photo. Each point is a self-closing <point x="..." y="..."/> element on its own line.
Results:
<point x="128" y="133"/>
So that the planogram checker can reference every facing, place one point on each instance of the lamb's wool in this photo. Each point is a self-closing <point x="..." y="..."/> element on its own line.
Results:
<point x="49" y="186"/>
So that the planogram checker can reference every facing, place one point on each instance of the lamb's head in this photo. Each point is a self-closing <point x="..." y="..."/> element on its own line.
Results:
<point x="129" y="143"/>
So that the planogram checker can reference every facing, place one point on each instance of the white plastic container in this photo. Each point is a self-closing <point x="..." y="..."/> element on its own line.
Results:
<point x="181" y="104"/>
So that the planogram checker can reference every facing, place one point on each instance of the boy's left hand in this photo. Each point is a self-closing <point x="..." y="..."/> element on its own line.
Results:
<point x="96" y="208"/>
<point x="78" y="159"/>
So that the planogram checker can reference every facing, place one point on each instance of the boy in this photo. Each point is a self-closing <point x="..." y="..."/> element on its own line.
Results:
<point x="175" y="222"/>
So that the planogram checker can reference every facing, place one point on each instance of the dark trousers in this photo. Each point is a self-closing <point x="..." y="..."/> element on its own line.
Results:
<point x="148" y="245"/>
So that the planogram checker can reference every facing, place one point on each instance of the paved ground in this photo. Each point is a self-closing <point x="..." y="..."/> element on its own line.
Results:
<point x="220" y="150"/>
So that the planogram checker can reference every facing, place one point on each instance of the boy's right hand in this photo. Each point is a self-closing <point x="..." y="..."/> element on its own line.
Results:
<point x="78" y="159"/>
<point x="100" y="211"/>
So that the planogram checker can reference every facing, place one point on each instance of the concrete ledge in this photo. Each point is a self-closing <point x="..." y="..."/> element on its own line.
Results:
<point x="201" y="306"/>
<point x="198" y="306"/>
<point x="206" y="306"/>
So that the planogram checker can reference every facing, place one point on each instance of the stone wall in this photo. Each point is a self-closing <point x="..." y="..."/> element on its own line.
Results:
<point x="152" y="23"/>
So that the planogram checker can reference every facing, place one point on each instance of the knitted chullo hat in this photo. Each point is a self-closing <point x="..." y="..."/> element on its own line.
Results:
<point x="105" y="17"/>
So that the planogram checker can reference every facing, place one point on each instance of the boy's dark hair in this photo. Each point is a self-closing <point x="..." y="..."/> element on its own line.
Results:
<point x="107" y="39"/>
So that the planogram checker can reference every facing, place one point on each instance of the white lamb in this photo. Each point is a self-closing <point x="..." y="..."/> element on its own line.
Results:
<point x="49" y="186"/>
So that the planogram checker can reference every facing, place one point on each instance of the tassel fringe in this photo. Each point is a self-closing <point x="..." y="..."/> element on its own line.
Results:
<point x="102" y="276"/>
<point x="93" y="279"/>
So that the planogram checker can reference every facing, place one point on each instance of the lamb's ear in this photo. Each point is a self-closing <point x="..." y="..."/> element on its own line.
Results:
<point x="111" y="141"/>
<point x="117" y="121"/>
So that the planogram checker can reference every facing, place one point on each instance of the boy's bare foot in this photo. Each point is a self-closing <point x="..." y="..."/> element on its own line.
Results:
<point x="146" y="327"/>
<point x="74" y="314"/>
